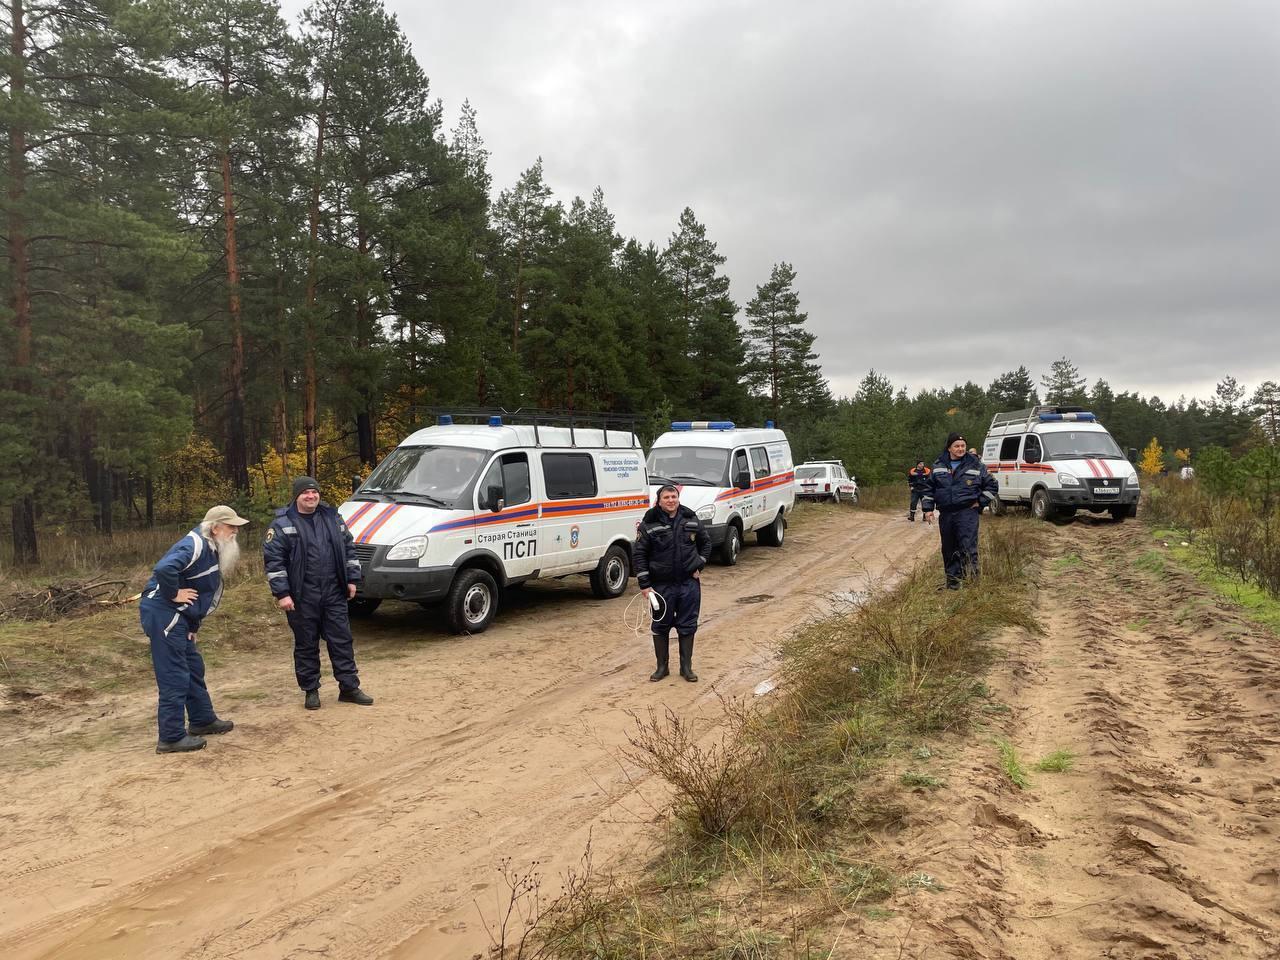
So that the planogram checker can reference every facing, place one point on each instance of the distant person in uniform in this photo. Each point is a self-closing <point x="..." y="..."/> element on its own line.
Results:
<point x="185" y="587"/>
<point x="670" y="553"/>
<point x="959" y="487"/>
<point x="918" y="482"/>
<point x="312" y="570"/>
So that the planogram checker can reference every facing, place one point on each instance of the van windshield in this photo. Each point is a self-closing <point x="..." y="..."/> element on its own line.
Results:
<point x="700" y="466"/>
<point x="1073" y="446"/>
<point x="434" y="474"/>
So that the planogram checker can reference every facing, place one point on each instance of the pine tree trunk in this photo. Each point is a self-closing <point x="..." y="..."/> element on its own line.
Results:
<point x="237" y="459"/>
<point x="106" y="501"/>
<point x="150" y="492"/>
<point x="25" y="552"/>
<point x="364" y="417"/>
<point x="309" y="426"/>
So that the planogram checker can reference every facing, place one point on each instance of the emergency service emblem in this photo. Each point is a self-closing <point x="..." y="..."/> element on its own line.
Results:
<point x="574" y="535"/>
<point x="271" y="534"/>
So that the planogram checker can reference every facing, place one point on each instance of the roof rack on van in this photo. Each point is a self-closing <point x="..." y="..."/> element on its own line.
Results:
<point x="537" y="417"/>
<point x="1041" y="413"/>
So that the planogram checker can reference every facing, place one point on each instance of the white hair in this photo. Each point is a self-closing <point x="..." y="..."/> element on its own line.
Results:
<point x="228" y="550"/>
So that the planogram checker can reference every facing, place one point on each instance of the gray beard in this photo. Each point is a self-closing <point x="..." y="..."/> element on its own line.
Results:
<point x="228" y="556"/>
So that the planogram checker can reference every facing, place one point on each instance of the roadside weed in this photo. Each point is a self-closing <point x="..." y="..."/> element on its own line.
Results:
<point x="1012" y="766"/>
<point x="1060" y="761"/>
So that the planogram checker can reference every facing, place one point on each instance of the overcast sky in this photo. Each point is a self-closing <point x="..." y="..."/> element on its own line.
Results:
<point x="963" y="186"/>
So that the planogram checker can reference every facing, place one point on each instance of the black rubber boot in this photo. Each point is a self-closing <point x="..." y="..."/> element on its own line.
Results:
<point x="686" y="657"/>
<point x="312" y="701"/>
<point x="217" y="726"/>
<point x="661" y="648"/>
<point x="184" y="745"/>
<point x="355" y="696"/>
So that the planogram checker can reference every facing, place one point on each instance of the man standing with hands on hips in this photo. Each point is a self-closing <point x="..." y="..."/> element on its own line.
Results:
<point x="669" y="555"/>
<point x="312" y="570"/>
<point x="959" y="487"/>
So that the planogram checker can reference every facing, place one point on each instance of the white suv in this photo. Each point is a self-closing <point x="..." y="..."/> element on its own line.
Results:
<point x="825" y="480"/>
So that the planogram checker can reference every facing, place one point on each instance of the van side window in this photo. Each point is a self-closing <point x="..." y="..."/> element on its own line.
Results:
<point x="1009" y="448"/>
<point x="1032" y="446"/>
<point x="568" y="475"/>
<point x="515" y="478"/>
<point x="760" y="460"/>
<point x="739" y="465"/>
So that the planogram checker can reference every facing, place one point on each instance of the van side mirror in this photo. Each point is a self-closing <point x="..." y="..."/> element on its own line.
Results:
<point x="355" y="483"/>
<point x="1133" y="454"/>
<point x="492" y="499"/>
<point x="743" y="480"/>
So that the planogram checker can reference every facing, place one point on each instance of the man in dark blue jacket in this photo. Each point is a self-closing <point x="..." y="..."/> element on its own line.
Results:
<point x="184" y="588"/>
<point x="669" y="555"/>
<point x="959" y="487"/>
<point x="311" y="566"/>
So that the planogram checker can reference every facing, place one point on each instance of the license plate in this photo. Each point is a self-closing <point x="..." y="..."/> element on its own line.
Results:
<point x="1106" y="490"/>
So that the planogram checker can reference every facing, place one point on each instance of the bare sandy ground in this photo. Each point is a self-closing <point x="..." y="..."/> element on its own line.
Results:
<point x="356" y="833"/>
<point x="1163" y="841"/>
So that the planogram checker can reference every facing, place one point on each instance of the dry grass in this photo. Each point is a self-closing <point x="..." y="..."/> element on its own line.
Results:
<point x="770" y="809"/>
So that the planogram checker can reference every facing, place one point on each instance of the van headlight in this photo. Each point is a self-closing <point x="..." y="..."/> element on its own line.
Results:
<point x="410" y="549"/>
<point x="1067" y="480"/>
<point x="707" y="512"/>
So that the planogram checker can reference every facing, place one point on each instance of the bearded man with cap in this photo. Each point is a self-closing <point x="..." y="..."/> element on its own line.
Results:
<point x="185" y="587"/>
<point x="312" y="570"/>
<point x="959" y="486"/>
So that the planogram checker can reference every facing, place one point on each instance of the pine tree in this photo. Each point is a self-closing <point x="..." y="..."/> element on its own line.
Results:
<point x="1063" y="384"/>
<point x="1265" y="407"/>
<point x="1014" y="390"/>
<point x="780" y="360"/>
<point x="708" y="314"/>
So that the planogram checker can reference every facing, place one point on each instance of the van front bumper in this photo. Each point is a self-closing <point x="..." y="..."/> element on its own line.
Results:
<point x="1085" y="499"/>
<point x="415" y="584"/>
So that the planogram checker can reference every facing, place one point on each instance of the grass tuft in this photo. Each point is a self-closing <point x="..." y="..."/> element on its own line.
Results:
<point x="1012" y="766"/>
<point x="1060" y="761"/>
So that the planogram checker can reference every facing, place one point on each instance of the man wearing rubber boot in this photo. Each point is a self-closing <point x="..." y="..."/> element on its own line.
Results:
<point x="670" y="553"/>
<point x="312" y="570"/>
<point x="959" y="487"/>
<point x="186" y="587"/>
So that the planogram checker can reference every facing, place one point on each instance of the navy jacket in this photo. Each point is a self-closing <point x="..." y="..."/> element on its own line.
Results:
<point x="192" y="563"/>
<point x="284" y="554"/>
<point x="969" y="484"/>
<point x="668" y="552"/>
<point x="918" y="480"/>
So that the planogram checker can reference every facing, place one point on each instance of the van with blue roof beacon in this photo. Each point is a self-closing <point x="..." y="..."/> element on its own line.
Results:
<point x="736" y="481"/>
<point x="1059" y="460"/>
<point x="460" y="511"/>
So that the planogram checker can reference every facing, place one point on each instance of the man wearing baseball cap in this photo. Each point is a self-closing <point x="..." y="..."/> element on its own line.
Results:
<point x="312" y="571"/>
<point x="184" y="588"/>
<point x="959" y="486"/>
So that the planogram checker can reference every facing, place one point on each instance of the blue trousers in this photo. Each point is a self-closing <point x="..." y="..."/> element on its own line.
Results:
<point x="684" y="603"/>
<point x="916" y="497"/>
<point x="323" y="613"/>
<point x="959" y="530"/>
<point x="179" y="672"/>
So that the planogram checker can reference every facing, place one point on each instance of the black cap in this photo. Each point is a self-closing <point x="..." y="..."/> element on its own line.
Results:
<point x="302" y="484"/>
<point x="953" y="437"/>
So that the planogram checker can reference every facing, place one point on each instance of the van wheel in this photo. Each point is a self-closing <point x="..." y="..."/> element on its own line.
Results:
<point x="473" y="601"/>
<point x="363" y="606"/>
<point x="854" y="498"/>
<point x="609" y="578"/>
<point x="835" y="497"/>
<point x="997" y="507"/>
<point x="732" y="546"/>
<point x="1040" y="508"/>
<point x="774" y="533"/>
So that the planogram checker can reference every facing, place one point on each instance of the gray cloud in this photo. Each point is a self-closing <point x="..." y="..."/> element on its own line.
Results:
<point x="963" y="187"/>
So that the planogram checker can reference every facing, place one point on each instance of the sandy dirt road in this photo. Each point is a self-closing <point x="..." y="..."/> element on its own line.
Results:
<point x="356" y="833"/>
<point x="1164" y="842"/>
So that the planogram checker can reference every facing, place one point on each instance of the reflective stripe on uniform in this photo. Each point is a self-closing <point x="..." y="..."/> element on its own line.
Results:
<point x="196" y="550"/>
<point x="204" y="573"/>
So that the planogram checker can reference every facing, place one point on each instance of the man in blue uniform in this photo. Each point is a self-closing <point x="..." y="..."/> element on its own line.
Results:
<point x="669" y="555"/>
<point x="312" y="570"/>
<point x="959" y="487"/>
<point x="184" y="588"/>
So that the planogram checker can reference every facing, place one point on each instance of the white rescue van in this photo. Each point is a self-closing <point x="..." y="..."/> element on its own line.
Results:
<point x="1059" y="460"/>
<point x="458" y="512"/>
<point x="736" y="481"/>
<point x="826" y="480"/>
